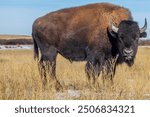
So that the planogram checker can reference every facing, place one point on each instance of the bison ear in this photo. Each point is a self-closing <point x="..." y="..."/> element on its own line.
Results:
<point x="143" y="30"/>
<point x="143" y="35"/>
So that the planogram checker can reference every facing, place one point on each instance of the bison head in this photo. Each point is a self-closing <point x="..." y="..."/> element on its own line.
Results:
<point x="127" y="35"/>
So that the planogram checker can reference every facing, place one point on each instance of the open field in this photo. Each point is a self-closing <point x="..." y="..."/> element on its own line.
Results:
<point x="11" y="37"/>
<point x="19" y="79"/>
<point x="15" y="39"/>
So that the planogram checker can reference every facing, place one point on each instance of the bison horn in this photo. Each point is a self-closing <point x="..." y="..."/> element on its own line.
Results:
<point x="114" y="28"/>
<point x="144" y="27"/>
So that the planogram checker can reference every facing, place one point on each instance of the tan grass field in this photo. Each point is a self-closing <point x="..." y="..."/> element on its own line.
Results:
<point x="20" y="79"/>
<point x="11" y="37"/>
<point x="15" y="40"/>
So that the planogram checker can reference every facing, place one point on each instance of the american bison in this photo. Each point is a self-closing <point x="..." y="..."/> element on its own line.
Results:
<point x="94" y="33"/>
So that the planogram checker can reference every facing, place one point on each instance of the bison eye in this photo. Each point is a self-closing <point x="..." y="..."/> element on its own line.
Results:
<point x="136" y="38"/>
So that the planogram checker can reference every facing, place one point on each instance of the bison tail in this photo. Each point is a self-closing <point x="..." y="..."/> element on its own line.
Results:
<point x="36" y="52"/>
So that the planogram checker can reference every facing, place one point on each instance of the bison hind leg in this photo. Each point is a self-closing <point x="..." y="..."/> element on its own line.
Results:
<point x="47" y="65"/>
<point x="47" y="70"/>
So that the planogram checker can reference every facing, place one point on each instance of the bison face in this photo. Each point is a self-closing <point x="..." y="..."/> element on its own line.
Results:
<point x="127" y="35"/>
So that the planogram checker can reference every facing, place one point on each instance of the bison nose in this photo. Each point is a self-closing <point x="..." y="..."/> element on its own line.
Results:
<point x="128" y="52"/>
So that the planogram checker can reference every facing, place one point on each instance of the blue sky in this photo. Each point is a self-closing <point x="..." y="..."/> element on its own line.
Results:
<point x="17" y="16"/>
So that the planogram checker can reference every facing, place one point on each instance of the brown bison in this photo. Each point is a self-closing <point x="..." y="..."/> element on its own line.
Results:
<point x="94" y="33"/>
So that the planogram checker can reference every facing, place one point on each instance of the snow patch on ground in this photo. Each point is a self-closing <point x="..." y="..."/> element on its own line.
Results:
<point x="16" y="47"/>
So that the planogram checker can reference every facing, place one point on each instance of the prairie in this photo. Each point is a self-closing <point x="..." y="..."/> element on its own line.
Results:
<point x="11" y="37"/>
<point x="20" y="79"/>
<point x="15" y="40"/>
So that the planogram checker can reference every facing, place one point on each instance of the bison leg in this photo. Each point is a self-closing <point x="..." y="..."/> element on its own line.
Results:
<point x="92" y="71"/>
<point x="88" y="70"/>
<point x="47" y="64"/>
<point x="109" y="68"/>
<point x="42" y="70"/>
<point x="93" y="68"/>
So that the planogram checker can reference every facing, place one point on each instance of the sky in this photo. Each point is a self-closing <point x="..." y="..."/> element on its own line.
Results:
<point x="17" y="16"/>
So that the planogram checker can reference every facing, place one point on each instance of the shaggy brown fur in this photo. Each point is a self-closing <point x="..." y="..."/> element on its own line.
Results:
<point x="78" y="33"/>
<point x="86" y="23"/>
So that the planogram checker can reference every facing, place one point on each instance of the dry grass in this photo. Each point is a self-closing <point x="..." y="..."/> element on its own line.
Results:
<point x="10" y="37"/>
<point x="15" y="40"/>
<point x="19" y="79"/>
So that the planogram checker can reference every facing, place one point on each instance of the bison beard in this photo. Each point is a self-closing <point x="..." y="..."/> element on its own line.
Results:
<point x="96" y="33"/>
<point x="130" y="62"/>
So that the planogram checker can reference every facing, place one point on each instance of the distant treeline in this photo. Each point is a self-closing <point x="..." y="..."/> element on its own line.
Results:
<point x="144" y="42"/>
<point x="16" y="42"/>
<point x="30" y="42"/>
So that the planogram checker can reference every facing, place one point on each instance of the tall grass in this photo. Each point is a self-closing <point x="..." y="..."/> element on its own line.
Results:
<point x="20" y="79"/>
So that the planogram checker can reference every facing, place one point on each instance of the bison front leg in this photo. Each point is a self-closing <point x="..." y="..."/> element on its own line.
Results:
<point x="94" y="67"/>
<point x="92" y="72"/>
<point x="109" y="69"/>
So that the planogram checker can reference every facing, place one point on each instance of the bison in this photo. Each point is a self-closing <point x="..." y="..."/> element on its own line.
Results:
<point x="94" y="33"/>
